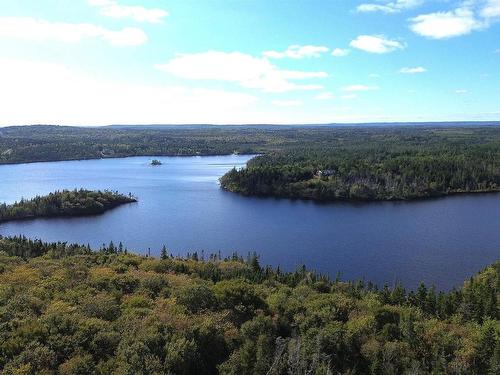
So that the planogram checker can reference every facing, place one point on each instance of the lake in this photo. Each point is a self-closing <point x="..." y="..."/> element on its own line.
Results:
<point x="439" y="241"/>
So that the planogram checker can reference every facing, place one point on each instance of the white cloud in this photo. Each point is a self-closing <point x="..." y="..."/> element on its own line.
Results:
<point x="34" y="92"/>
<point x="287" y="103"/>
<point x="415" y="70"/>
<point x="442" y="25"/>
<point x="112" y="8"/>
<point x="389" y="6"/>
<point x="297" y="52"/>
<point x="33" y="29"/>
<point x="324" y="96"/>
<point x="374" y="75"/>
<point x="240" y="68"/>
<point x="376" y="44"/>
<point x="491" y="9"/>
<point x="340" y="52"/>
<point x="353" y="88"/>
<point x="461" y="91"/>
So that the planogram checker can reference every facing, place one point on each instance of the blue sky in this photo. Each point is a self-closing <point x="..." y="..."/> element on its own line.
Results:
<point x="95" y="62"/>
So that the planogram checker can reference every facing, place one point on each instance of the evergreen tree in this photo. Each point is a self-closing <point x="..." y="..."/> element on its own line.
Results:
<point x="164" y="253"/>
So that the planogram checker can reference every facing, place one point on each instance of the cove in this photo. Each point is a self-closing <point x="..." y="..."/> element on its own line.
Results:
<point x="440" y="241"/>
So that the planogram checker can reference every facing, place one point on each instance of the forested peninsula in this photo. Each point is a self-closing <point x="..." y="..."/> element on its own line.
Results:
<point x="63" y="204"/>
<point x="65" y="309"/>
<point x="394" y="164"/>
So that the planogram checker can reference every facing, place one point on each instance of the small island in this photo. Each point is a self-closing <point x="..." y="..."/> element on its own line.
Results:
<point x="156" y="162"/>
<point x="64" y="203"/>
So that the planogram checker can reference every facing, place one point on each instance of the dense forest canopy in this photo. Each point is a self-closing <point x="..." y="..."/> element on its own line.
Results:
<point x="374" y="164"/>
<point x="322" y="163"/>
<point x="64" y="203"/>
<point x="49" y="143"/>
<point x="67" y="310"/>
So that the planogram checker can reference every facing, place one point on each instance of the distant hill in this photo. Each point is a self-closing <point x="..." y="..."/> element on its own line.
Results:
<point x="197" y="126"/>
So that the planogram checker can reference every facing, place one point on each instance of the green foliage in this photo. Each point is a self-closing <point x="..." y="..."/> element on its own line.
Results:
<point x="356" y="162"/>
<point x="20" y="144"/>
<point x="375" y="164"/>
<point x="64" y="203"/>
<point x="196" y="297"/>
<point x="67" y="310"/>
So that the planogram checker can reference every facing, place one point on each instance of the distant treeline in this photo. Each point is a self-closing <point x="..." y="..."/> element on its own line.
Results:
<point x="321" y="163"/>
<point x="67" y="310"/>
<point x="64" y="203"/>
<point x="377" y="164"/>
<point x="51" y="143"/>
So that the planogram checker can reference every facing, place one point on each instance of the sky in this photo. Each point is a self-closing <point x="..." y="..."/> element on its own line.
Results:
<point x="101" y="62"/>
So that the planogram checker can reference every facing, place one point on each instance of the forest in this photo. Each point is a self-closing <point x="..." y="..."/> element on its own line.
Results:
<point x="309" y="162"/>
<point x="65" y="309"/>
<point x="393" y="164"/>
<point x="23" y="144"/>
<point x="78" y="202"/>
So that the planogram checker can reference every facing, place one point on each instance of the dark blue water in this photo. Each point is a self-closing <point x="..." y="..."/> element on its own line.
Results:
<point x="180" y="205"/>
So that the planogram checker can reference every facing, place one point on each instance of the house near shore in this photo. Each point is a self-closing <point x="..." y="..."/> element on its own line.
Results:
<point x="325" y="173"/>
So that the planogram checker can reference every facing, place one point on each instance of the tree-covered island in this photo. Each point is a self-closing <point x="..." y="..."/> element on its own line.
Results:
<point x="64" y="203"/>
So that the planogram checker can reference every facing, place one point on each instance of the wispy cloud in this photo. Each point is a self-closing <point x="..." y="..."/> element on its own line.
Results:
<point x="416" y="70"/>
<point x="352" y="88"/>
<point x="340" y="52"/>
<point x="349" y="96"/>
<point x="324" y="96"/>
<point x="239" y="68"/>
<point x="112" y="8"/>
<point x="461" y="91"/>
<point x="376" y="44"/>
<point x="287" y="103"/>
<point x="491" y="9"/>
<point x="29" y="28"/>
<point x="297" y="52"/>
<point x="389" y="6"/>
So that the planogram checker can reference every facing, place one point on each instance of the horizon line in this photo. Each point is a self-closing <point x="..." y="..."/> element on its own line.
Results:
<point x="416" y="123"/>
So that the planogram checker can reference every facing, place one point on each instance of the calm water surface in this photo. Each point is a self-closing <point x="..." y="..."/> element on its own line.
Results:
<point x="180" y="205"/>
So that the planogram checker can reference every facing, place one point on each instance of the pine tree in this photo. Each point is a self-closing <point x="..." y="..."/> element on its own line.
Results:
<point x="164" y="254"/>
<point x="495" y="360"/>
<point x="254" y="263"/>
<point x="398" y="295"/>
<point x="421" y="296"/>
<point x="430" y="301"/>
<point x="486" y="347"/>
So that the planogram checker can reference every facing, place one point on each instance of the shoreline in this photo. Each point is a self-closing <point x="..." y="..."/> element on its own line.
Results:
<point x="126" y="156"/>
<point x="361" y="201"/>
